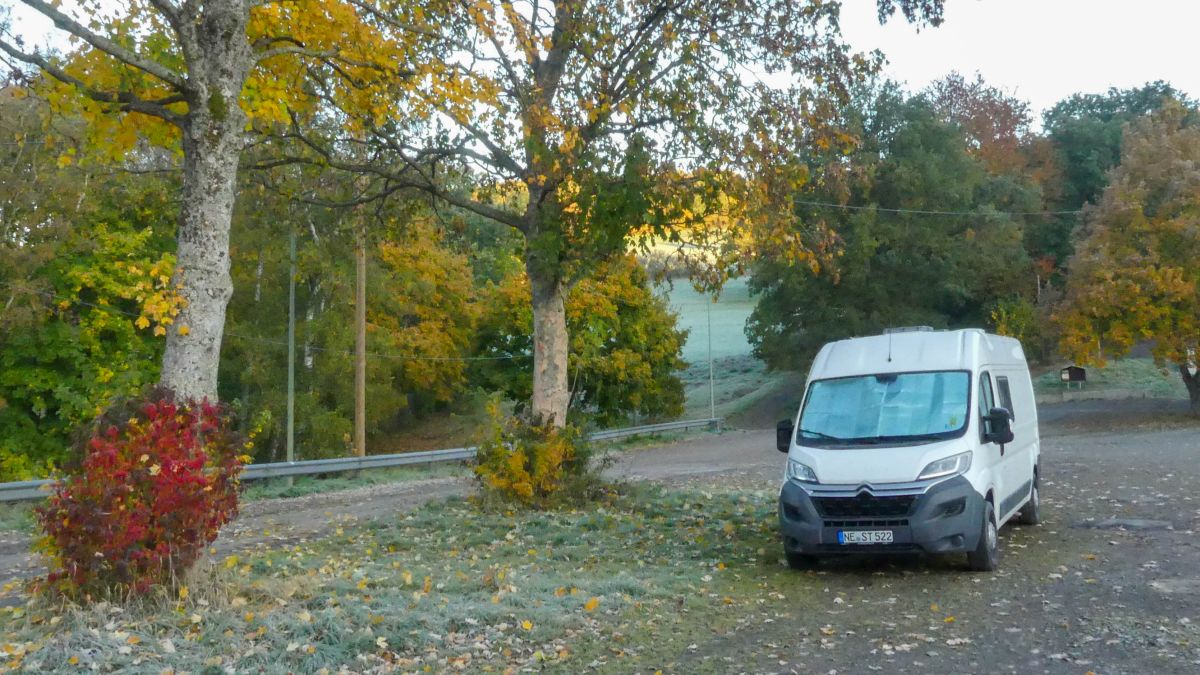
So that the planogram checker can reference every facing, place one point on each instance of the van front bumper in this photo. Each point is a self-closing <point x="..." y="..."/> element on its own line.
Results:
<point x="944" y="517"/>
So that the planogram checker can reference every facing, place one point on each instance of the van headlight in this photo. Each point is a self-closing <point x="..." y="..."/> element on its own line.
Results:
<point x="800" y="472"/>
<point x="950" y="466"/>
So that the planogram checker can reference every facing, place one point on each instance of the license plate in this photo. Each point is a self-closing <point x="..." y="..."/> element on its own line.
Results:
<point x="864" y="536"/>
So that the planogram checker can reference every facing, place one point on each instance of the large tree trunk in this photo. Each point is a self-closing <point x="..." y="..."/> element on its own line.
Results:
<point x="212" y="145"/>
<point x="202" y="265"/>
<point x="551" y="390"/>
<point x="1192" y="382"/>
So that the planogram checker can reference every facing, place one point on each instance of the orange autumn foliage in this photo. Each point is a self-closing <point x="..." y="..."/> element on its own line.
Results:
<point x="1135" y="276"/>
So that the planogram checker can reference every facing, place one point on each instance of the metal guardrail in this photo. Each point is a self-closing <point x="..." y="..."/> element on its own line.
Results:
<point x="37" y="489"/>
<point x="23" y="490"/>
<point x="680" y="425"/>
<point x="338" y="464"/>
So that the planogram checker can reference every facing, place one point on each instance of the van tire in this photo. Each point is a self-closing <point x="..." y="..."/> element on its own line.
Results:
<point x="801" y="561"/>
<point x="986" y="556"/>
<point x="1031" y="513"/>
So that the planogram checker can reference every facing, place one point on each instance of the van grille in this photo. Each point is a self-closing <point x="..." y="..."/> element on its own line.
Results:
<point x="858" y="522"/>
<point x="864" y="505"/>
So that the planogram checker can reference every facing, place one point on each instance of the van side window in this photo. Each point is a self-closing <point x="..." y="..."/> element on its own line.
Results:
<point x="986" y="400"/>
<point x="1005" y="395"/>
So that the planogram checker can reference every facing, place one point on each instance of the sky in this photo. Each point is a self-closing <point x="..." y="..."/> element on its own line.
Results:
<point x="1039" y="50"/>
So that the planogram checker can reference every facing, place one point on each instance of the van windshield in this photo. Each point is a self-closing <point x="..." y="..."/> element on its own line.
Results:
<point x="894" y="407"/>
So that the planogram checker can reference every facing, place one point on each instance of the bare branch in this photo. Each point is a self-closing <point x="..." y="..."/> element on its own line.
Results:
<point x="509" y="218"/>
<point x="412" y="175"/>
<point x="506" y="63"/>
<point x="501" y="159"/>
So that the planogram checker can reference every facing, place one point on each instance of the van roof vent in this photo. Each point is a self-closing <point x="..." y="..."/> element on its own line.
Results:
<point x="908" y="329"/>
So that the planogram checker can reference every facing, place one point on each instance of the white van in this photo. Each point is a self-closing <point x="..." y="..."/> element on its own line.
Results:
<point x="914" y="440"/>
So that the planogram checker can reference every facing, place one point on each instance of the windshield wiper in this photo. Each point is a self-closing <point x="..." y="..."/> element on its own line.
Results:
<point x="876" y="440"/>
<point x="819" y="434"/>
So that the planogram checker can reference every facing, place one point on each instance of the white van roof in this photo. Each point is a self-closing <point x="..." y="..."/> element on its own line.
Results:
<point x="914" y="351"/>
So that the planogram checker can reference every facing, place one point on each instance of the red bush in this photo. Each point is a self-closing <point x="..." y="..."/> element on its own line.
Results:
<point x="149" y="494"/>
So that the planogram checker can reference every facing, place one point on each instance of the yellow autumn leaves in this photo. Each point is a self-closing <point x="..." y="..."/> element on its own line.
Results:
<point x="525" y="463"/>
<point x="432" y="317"/>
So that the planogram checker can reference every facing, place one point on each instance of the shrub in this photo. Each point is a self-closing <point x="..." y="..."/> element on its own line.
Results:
<point x="534" y="464"/>
<point x="144" y="499"/>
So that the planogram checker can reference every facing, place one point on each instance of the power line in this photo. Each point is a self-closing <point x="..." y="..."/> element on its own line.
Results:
<point x="280" y="343"/>
<point x="380" y="355"/>
<point x="853" y="207"/>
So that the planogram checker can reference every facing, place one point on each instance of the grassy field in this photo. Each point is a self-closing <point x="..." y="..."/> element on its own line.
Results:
<point x="550" y="591"/>
<point x="741" y="385"/>
<point x="729" y="316"/>
<point x="746" y="394"/>
<point x="1138" y="376"/>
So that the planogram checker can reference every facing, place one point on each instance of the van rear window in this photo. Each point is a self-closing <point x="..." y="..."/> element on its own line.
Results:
<point x="893" y="407"/>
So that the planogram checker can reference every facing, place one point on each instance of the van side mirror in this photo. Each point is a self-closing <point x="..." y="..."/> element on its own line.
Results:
<point x="1000" y="421"/>
<point x="783" y="435"/>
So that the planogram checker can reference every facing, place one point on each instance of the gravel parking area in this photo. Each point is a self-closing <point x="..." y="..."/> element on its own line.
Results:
<point x="1110" y="583"/>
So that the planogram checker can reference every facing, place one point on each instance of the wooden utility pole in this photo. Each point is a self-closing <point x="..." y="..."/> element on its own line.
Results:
<point x="360" y="343"/>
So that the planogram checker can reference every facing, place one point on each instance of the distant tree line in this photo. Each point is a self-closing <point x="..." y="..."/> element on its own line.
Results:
<point x="951" y="210"/>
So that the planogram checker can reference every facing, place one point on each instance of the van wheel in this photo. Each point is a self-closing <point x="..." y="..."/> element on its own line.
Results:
<point x="986" y="556"/>
<point x="801" y="561"/>
<point x="1031" y="513"/>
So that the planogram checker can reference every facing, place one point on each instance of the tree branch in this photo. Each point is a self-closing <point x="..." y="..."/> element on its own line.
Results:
<point x="126" y="100"/>
<point x="291" y="49"/>
<point x="170" y="12"/>
<point x="509" y="69"/>
<point x="373" y="10"/>
<point x="500" y="158"/>
<point x="548" y="72"/>
<point x="509" y="218"/>
<point x="521" y="33"/>
<point x="412" y="175"/>
<point x="109" y="47"/>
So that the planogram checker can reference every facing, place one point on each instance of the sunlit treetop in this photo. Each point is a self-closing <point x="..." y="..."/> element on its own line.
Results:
<point x="709" y="99"/>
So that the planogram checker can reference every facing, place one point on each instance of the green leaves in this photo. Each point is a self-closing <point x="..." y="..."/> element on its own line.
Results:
<point x="893" y="267"/>
<point x="86" y="276"/>
<point x="624" y="346"/>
